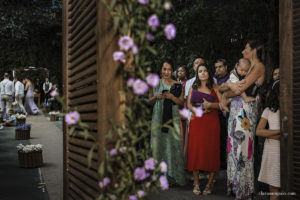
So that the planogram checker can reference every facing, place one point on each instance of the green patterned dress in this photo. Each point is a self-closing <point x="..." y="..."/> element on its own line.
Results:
<point x="167" y="147"/>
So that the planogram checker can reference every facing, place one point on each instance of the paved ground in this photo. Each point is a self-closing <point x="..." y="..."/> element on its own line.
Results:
<point x="19" y="183"/>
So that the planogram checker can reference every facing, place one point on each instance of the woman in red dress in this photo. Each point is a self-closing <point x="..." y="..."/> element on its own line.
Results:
<point x="204" y="139"/>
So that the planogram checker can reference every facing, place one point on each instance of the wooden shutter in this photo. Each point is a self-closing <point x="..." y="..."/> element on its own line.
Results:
<point x="91" y="84"/>
<point x="289" y="37"/>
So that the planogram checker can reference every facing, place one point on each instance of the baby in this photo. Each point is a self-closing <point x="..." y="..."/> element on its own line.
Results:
<point x="237" y="74"/>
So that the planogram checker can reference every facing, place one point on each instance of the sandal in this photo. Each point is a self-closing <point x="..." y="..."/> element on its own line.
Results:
<point x="208" y="189"/>
<point x="196" y="190"/>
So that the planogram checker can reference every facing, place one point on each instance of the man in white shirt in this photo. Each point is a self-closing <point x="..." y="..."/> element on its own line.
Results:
<point x="190" y="82"/>
<point x="47" y="86"/>
<point x="19" y="94"/>
<point x="7" y="90"/>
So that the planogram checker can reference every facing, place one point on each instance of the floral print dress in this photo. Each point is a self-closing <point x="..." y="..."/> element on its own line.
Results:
<point x="240" y="148"/>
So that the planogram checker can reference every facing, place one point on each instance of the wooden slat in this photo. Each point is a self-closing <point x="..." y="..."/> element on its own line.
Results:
<point x="88" y="117"/>
<point x="80" y="191"/>
<point x="92" y="69"/>
<point x="81" y="142"/>
<point x="81" y="185"/>
<point x="87" y="63"/>
<point x="83" y="160"/>
<point x="83" y="47"/>
<point x="84" y="91"/>
<point x="82" y="151"/>
<point x="87" y="107"/>
<point x="83" y="19"/>
<point x="77" y="42"/>
<point x="82" y="83"/>
<point x="83" y="57"/>
<point x="84" y="100"/>
<point x="74" y="13"/>
<point x="80" y="175"/>
<point x="88" y="29"/>
<point x="73" y="195"/>
<point x="88" y="171"/>
<point x="73" y="5"/>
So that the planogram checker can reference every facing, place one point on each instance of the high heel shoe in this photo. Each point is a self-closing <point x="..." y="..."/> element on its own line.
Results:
<point x="208" y="189"/>
<point x="196" y="189"/>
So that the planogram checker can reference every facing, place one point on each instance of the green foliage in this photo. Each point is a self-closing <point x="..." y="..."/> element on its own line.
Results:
<point x="218" y="29"/>
<point x="30" y="35"/>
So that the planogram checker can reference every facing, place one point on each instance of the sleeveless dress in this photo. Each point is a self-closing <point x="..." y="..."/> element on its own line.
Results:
<point x="167" y="147"/>
<point x="30" y="106"/>
<point x="204" y="141"/>
<point x="240" y="145"/>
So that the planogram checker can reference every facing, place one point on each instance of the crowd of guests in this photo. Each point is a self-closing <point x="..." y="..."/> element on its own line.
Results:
<point x="22" y="94"/>
<point x="223" y="137"/>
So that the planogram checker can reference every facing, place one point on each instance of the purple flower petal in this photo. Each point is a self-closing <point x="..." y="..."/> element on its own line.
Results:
<point x="170" y="31"/>
<point x="106" y="181"/>
<point x="153" y="21"/>
<point x="135" y="49"/>
<point x="140" y="87"/>
<point x="149" y="36"/>
<point x="140" y="174"/>
<point x="150" y="164"/>
<point x="144" y="2"/>
<point x="163" y="166"/>
<point x="118" y="55"/>
<point x="140" y="193"/>
<point x="152" y="80"/>
<point x="132" y="197"/>
<point x="185" y="113"/>
<point x="113" y="152"/>
<point x="198" y="111"/>
<point x="163" y="183"/>
<point x="72" y="118"/>
<point x="125" y="43"/>
<point x="130" y="82"/>
<point x="167" y="5"/>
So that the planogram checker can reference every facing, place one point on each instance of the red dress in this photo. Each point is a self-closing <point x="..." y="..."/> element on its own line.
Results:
<point x="204" y="141"/>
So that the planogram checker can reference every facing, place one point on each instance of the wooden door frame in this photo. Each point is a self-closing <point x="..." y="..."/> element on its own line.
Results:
<point x="286" y="88"/>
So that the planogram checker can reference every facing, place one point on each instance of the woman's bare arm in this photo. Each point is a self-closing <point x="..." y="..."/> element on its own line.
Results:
<point x="263" y="132"/>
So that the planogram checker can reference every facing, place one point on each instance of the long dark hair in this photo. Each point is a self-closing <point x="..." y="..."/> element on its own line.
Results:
<point x="210" y="81"/>
<point x="260" y="50"/>
<point x="273" y="98"/>
<point x="185" y="69"/>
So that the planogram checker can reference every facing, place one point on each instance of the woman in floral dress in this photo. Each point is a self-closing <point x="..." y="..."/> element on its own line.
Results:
<point x="242" y="125"/>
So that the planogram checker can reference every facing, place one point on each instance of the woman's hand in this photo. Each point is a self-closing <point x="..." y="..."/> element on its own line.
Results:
<point x="206" y="104"/>
<point x="235" y="87"/>
<point x="168" y="95"/>
<point x="158" y="96"/>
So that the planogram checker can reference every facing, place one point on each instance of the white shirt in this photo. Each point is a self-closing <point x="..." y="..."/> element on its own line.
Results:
<point x="19" y="88"/>
<point x="50" y="86"/>
<point x="7" y="87"/>
<point x="188" y="85"/>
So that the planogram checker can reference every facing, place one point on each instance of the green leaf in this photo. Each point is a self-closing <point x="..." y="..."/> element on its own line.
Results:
<point x="90" y="155"/>
<point x="101" y="169"/>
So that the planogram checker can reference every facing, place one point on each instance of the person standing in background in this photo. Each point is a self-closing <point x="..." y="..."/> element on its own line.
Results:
<point x="47" y="86"/>
<point x="7" y="90"/>
<point x="19" y="94"/>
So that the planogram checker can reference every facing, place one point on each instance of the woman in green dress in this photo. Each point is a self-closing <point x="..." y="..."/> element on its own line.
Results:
<point x="167" y="143"/>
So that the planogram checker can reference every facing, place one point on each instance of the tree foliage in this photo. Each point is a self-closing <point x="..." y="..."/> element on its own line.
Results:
<point x="30" y="35"/>
<point x="219" y="29"/>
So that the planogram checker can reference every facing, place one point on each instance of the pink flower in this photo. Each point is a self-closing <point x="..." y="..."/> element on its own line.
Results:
<point x="72" y="118"/>
<point x="149" y="36"/>
<point x="104" y="182"/>
<point x="185" y="113"/>
<point x="198" y="111"/>
<point x="140" y="193"/>
<point x="163" y="167"/>
<point x="152" y="80"/>
<point x="130" y="82"/>
<point x="168" y="5"/>
<point x="153" y="21"/>
<point x="113" y="152"/>
<point x="118" y="55"/>
<point x="163" y="183"/>
<point x="150" y="164"/>
<point x="140" y="174"/>
<point x="125" y="43"/>
<point x="135" y="49"/>
<point x="53" y="93"/>
<point x="170" y="31"/>
<point x="140" y="87"/>
<point x="144" y="2"/>
<point x="250" y="148"/>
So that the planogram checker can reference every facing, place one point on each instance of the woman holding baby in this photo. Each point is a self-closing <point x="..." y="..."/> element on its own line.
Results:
<point x="242" y="124"/>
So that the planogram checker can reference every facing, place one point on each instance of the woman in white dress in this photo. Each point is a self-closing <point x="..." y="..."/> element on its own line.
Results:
<point x="270" y="166"/>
